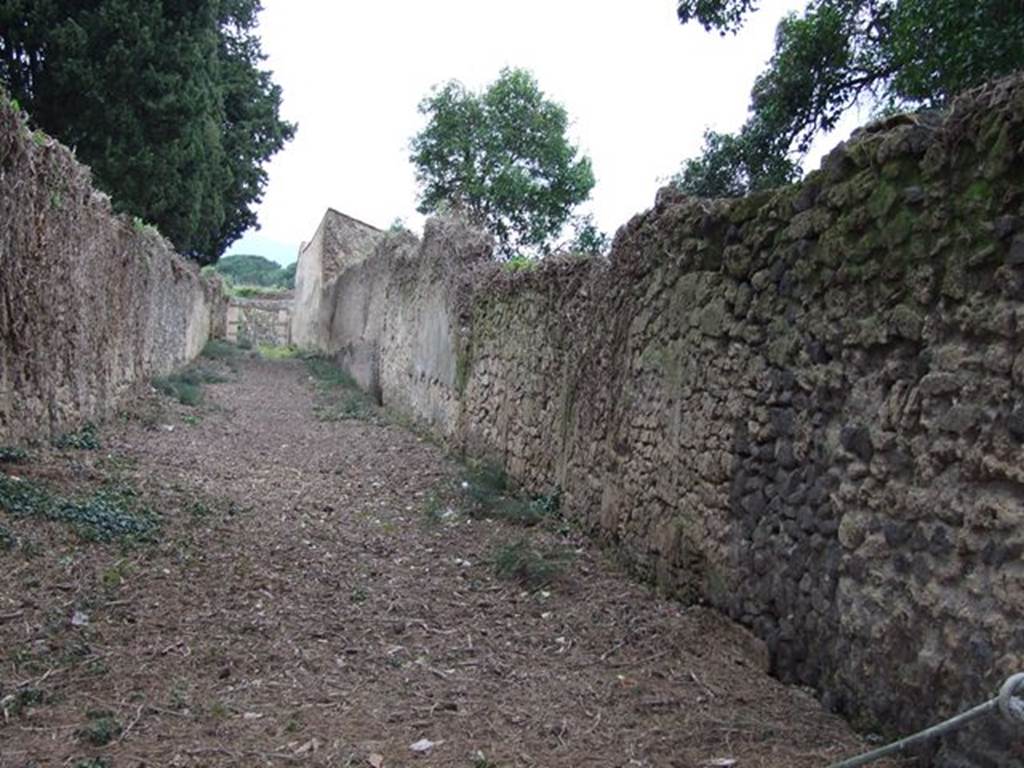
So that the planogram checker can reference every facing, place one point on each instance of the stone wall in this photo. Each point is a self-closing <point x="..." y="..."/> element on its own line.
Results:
<point x="803" y="407"/>
<point x="260" y="321"/>
<point x="91" y="304"/>
<point x="339" y="243"/>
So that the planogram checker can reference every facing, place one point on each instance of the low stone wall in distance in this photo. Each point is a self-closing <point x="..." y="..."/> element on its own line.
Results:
<point x="260" y="321"/>
<point x="804" y="407"/>
<point x="91" y="304"/>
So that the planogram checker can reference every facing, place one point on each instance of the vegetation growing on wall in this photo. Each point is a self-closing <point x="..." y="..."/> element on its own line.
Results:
<point x="166" y="102"/>
<point x="895" y="54"/>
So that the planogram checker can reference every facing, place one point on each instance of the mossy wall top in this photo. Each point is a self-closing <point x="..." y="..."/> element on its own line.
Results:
<point x="804" y="407"/>
<point x="90" y="303"/>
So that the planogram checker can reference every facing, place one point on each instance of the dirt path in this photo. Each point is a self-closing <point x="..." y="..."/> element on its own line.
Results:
<point x="298" y="607"/>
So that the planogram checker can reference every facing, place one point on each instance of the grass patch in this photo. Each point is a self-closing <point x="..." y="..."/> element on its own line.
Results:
<point x="530" y="566"/>
<point x="84" y="439"/>
<point x="108" y="515"/>
<point x="217" y="349"/>
<point x="520" y="264"/>
<point x="12" y="455"/>
<point x="8" y="540"/>
<point x="101" y="728"/>
<point x="187" y="386"/>
<point x="255" y="291"/>
<point x="345" y="406"/>
<point x="490" y="495"/>
<point x="327" y="374"/>
<point x="270" y="352"/>
<point x="339" y="398"/>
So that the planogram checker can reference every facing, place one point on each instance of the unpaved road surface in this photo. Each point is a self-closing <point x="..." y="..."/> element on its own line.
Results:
<point x="308" y="601"/>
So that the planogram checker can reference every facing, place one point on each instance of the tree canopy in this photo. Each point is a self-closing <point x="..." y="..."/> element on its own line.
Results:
<point x="249" y="269"/>
<point x="896" y="54"/>
<point x="164" y="99"/>
<point x="501" y="157"/>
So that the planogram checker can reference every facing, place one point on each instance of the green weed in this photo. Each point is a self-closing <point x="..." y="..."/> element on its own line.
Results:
<point x="107" y="516"/>
<point x="114" y="576"/>
<point x="254" y="291"/>
<point x="21" y="498"/>
<point x="490" y="495"/>
<point x="25" y="697"/>
<point x="101" y="729"/>
<point x="179" y="698"/>
<point x="328" y="374"/>
<point x="118" y="463"/>
<point x="85" y="439"/>
<point x="270" y="352"/>
<point x="436" y="509"/>
<point x="484" y="483"/>
<point x="527" y="565"/>
<point x="186" y="386"/>
<point x="217" y="349"/>
<point x="351" y="405"/>
<point x="525" y="512"/>
<point x="520" y="264"/>
<point x="198" y="510"/>
<point x="8" y="540"/>
<point x="143" y="227"/>
<point x="12" y="455"/>
<point x="339" y="397"/>
<point x="110" y="514"/>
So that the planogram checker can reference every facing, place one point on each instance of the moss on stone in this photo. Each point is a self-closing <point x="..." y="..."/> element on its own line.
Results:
<point x="883" y="199"/>
<point x="898" y="230"/>
<point x="979" y="192"/>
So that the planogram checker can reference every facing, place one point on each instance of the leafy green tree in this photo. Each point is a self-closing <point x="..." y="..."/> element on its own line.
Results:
<point x="164" y="99"/>
<point x="288" y="275"/>
<point x="249" y="269"/>
<point x="503" y="159"/>
<point x="733" y="164"/>
<point x="587" y="237"/>
<point x="895" y="54"/>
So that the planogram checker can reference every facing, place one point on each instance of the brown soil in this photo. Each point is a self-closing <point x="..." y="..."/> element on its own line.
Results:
<point x="299" y="608"/>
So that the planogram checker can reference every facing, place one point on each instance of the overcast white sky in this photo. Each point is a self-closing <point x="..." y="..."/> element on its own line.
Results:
<point x="640" y="90"/>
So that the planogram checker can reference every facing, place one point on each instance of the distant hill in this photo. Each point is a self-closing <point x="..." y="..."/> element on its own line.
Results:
<point x="250" y="269"/>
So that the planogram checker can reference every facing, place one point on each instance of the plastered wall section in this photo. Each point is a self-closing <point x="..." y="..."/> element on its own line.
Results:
<point x="339" y="244"/>
<point x="91" y="304"/>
